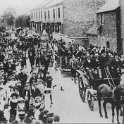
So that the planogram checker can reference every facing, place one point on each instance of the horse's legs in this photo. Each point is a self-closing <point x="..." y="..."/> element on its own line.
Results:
<point x="85" y="94"/>
<point x="75" y="76"/>
<point x="117" y="110"/>
<point x="123" y="114"/>
<point x="104" y="106"/>
<point x="99" y="104"/>
<point x="113" y="113"/>
<point x="121" y="110"/>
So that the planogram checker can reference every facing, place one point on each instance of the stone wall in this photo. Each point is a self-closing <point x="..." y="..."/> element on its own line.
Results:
<point x="109" y="30"/>
<point x="102" y="41"/>
<point x="80" y="15"/>
<point x="122" y="22"/>
<point x="93" y="39"/>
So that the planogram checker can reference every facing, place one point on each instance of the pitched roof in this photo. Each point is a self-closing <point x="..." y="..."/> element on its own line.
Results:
<point x="48" y="3"/>
<point x="110" y="5"/>
<point x="43" y="4"/>
<point x="53" y="3"/>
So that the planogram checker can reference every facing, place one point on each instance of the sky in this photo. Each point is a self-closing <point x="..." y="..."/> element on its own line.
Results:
<point x="20" y="6"/>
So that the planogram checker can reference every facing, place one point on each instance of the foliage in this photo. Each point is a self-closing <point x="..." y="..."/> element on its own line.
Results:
<point x="2" y="28"/>
<point x="22" y="21"/>
<point x="8" y="17"/>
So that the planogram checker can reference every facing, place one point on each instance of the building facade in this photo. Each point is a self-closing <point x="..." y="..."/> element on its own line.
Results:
<point x="48" y="16"/>
<point x="109" y="26"/>
<point x="122" y="22"/>
<point x="92" y="35"/>
<point x="70" y="17"/>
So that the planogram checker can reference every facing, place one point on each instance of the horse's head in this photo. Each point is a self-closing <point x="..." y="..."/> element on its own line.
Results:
<point x="119" y="92"/>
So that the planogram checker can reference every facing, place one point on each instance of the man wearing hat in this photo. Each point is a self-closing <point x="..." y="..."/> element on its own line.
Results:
<point x="49" y="80"/>
<point x="27" y="96"/>
<point x="35" y="91"/>
<point x="31" y="53"/>
<point x="21" y="109"/>
<point x="13" y="106"/>
<point x="22" y="76"/>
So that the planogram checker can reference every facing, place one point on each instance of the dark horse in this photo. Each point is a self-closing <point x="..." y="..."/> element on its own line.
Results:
<point x="108" y="95"/>
<point x="119" y="95"/>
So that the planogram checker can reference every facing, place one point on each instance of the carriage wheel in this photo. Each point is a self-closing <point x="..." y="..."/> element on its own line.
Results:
<point x="82" y="91"/>
<point x="90" y="101"/>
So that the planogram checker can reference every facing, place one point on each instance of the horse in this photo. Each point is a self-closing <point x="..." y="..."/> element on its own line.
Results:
<point x="119" y="93"/>
<point x="113" y="96"/>
<point x="107" y="93"/>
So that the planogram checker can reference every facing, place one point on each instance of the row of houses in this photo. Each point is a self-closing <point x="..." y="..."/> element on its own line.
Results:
<point x="98" y="22"/>
<point x="47" y="16"/>
<point x="71" y="18"/>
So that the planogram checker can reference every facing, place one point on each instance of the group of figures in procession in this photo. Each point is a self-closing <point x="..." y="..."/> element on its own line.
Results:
<point x="25" y="79"/>
<point x="99" y="72"/>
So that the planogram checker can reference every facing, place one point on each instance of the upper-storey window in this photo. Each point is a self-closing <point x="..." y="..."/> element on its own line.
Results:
<point x="31" y="15"/>
<point x="45" y="15"/>
<point x="102" y="19"/>
<point x="48" y="14"/>
<point x="41" y="14"/>
<point x="36" y="14"/>
<point x="59" y="12"/>
<point x="54" y="13"/>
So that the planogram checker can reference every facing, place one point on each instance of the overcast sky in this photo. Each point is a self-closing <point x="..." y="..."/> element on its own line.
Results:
<point x="21" y="6"/>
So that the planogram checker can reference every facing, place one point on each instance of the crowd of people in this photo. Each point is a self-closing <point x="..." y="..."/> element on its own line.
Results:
<point x="25" y="60"/>
<point x="25" y="78"/>
<point x="98" y="62"/>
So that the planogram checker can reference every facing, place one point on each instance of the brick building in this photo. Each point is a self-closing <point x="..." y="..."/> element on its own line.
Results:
<point x="70" y="17"/>
<point x="109" y="26"/>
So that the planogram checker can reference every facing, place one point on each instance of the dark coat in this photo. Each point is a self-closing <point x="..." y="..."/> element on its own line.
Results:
<point x="35" y="92"/>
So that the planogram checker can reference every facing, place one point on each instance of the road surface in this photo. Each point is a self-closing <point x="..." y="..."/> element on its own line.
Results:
<point x="68" y="104"/>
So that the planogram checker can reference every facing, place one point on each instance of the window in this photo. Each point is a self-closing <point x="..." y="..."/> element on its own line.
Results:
<point x="36" y="14"/>
<point x="59" y="12"/>
<point x="102" y="19"/>
<point x="45" y="15"/>
<point x="54" y="13"/>
<point x="41" y="14"/>
<point x="48" y="14"/>
<point x="32" y="15"/>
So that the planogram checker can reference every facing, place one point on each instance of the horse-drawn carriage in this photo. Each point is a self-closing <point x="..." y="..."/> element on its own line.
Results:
<point x="90" y="80"/>
<point x="65" y="64"/>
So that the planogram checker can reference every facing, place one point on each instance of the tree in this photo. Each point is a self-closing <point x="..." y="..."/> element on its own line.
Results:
<point x="8" y="17"/>
<point x="22" y="21"/>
